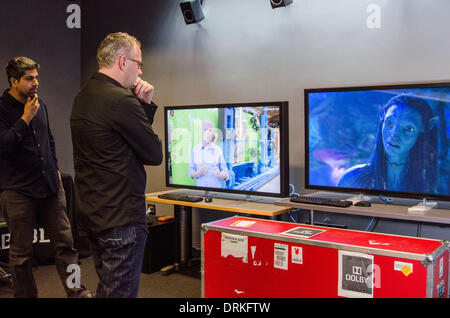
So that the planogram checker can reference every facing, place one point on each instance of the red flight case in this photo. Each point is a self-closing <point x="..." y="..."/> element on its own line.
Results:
<point x="257" y="258"/>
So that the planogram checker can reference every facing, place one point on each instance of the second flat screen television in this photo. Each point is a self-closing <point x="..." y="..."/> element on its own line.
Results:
<point x="390" y="140"/>
<point x="237" y="148"/>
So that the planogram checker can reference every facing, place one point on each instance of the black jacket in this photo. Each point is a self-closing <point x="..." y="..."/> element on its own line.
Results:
<point x="27" y="153"/>
<point x="112" y="140"/>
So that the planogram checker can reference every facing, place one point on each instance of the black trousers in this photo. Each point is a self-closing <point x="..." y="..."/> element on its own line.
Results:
<point x="22" y="214"/>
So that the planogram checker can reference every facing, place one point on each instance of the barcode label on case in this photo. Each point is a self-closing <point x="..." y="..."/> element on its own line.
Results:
<point x="280" y="257"/>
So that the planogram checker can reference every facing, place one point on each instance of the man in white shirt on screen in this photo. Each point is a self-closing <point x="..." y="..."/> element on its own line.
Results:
<point x="207" y="163"/>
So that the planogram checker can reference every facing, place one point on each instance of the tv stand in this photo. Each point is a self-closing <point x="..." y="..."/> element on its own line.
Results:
<point x="358" y="198"/>
<point x="422" y="206"/>
<point x="227" y="196"/>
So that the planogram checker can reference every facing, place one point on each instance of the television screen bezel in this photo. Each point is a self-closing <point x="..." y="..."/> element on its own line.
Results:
<point x="374" y="192"/>
<point x="284" y="147"/>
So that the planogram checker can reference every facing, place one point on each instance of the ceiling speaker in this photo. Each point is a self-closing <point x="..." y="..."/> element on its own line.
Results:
<point x="192" y="11"/>
<point x="279" y="3"/>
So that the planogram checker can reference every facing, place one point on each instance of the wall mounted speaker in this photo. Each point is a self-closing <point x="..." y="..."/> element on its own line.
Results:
<point x="279" y="3"/>
<point x="192" y="11"/>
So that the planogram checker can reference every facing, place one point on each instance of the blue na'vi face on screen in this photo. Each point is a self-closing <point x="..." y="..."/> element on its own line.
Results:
<point x="391" y="139"/>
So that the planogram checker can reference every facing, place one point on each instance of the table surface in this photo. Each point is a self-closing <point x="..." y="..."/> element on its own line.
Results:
<point x="229" y="205"/>
<point x="390" y="211"/>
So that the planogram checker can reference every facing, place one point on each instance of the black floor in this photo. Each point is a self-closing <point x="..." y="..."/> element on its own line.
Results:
<point x="182" y="284"/>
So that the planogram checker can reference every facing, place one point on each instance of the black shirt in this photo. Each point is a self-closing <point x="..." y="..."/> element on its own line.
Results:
<point x="27" y="152"/>
<point x="112" y="140"/>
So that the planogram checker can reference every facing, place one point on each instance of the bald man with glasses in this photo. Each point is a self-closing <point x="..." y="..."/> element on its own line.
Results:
<point x="112" y="140"/>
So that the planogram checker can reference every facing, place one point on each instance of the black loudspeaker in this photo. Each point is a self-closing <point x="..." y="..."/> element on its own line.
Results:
<point x="160" y="249"/>
<point x="192" y="11"/>
<point x="279" y="3"/>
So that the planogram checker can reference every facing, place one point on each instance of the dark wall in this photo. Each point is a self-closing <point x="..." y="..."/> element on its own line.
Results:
<point x="38" y="30"/>
<point x="140" y="18"/>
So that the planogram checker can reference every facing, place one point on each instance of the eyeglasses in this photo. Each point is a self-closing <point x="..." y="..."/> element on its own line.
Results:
<point x="139" y="63"/>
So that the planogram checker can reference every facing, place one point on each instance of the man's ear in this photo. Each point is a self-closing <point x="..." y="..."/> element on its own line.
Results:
<point x="12" y="81"/>
<point x="122" y="62"/>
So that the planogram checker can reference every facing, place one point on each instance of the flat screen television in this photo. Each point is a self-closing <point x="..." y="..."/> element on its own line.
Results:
<point x="237" y="148"/>
<point x="379" y="140"/>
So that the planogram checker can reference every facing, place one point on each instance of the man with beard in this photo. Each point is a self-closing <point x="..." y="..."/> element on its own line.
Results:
<point x="31" y="190"/>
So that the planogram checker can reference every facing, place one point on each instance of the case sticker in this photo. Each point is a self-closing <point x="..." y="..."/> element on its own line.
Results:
<point x="405" y="268"/>
<point x="296" y="255"/>
<point x="280" y="257"/>
<point x="234" y="245"/>
<point x="242" y="223"/>
<point x="258" y="257"/>
<point x="373" y="242"/>
<point x="303" y="232"/>
<point x="355" y="275"/>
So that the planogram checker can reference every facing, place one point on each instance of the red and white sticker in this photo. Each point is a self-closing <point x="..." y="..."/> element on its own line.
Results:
<point x="296" y="255"/>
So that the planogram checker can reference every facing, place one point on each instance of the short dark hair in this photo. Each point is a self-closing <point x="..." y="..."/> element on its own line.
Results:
<point x="17" y="67"/>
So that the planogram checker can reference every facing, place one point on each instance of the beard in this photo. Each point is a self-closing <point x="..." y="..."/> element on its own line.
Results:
<point x="32" y="92"/>
<point x="25" y="93"/>
<point x="29" y="92"/>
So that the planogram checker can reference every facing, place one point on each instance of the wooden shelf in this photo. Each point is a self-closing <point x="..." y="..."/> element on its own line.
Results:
<point x="238" y="206"/>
